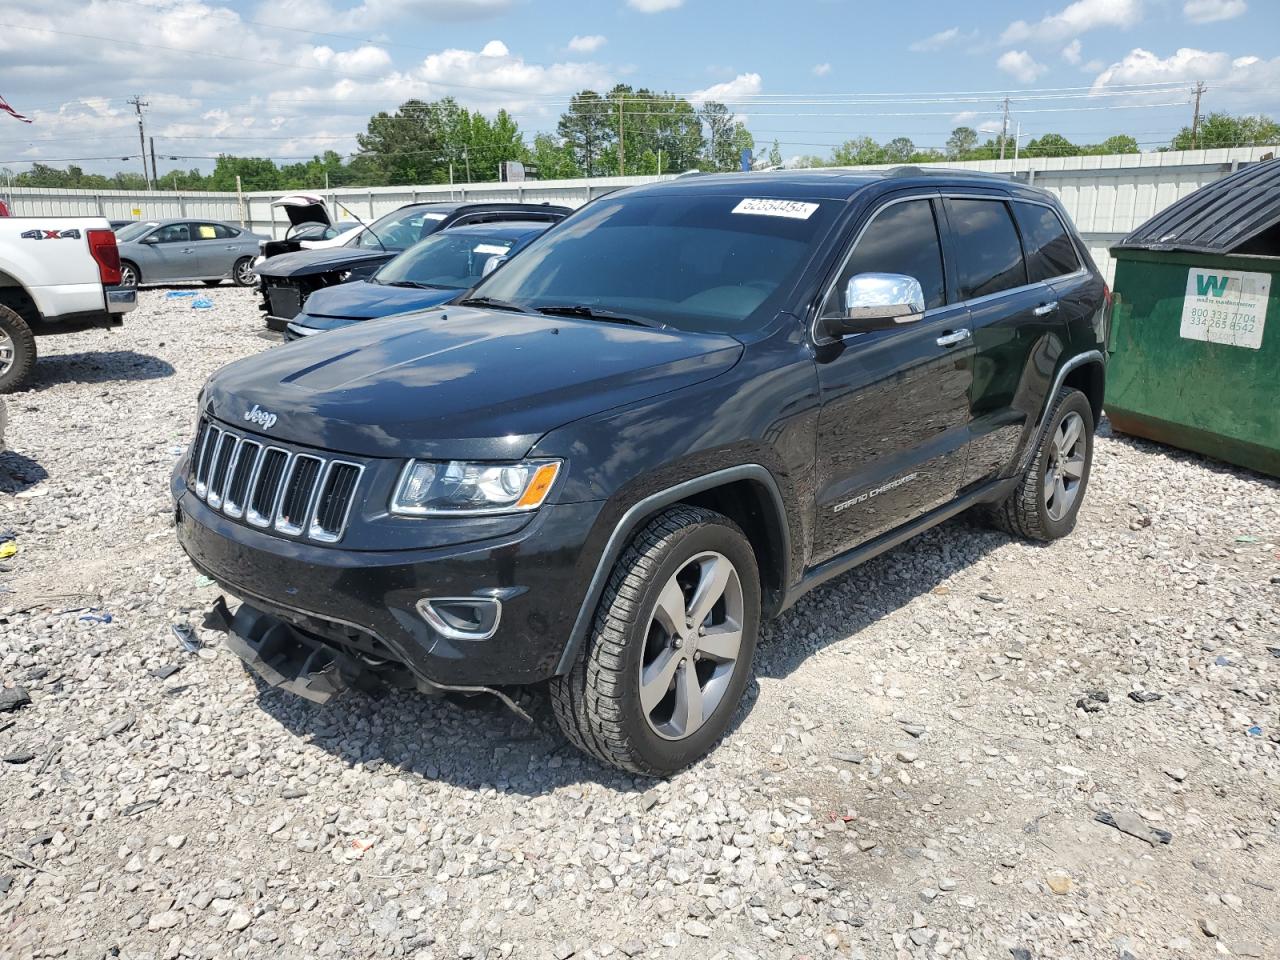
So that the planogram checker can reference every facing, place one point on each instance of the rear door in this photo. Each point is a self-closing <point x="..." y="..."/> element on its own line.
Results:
<point x="893" y="423"/>
<point x="1012" y="321"/>
<point x="217" y="248"/>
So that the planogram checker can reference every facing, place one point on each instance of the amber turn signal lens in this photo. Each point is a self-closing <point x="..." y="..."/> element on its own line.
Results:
<point x="539" y="486"/>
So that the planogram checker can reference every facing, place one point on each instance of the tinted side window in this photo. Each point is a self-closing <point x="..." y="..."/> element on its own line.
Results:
<point x="223" y="232"/>
<point x="1050" y="252"/>
<point x="988" y="254"/>
<point x="173" y="233"/>
<point x="903" y="238"/>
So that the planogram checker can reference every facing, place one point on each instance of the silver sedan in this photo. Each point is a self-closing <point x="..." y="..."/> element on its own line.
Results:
<point x="169" y="251"/>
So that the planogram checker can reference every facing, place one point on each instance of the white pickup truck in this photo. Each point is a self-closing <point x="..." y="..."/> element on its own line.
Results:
<point x="57" y="274"/>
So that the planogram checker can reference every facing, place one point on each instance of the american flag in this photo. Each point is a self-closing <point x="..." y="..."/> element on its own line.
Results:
<point x="4" y="105"/>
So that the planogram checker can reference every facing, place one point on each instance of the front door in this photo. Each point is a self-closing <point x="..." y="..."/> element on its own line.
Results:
<point x="893" y="427"/>
<point x="173" y="255"/>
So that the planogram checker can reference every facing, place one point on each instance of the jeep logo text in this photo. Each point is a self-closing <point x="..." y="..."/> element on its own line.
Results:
<point x="263" y="418"/>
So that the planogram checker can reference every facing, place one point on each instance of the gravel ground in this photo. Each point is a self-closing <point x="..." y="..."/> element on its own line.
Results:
<point x="911" y="775"/>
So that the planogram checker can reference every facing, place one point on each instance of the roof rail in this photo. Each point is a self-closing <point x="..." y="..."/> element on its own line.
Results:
<point x="914" y="171"/>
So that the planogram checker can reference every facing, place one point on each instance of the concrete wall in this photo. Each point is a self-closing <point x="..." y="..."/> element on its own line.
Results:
<point x="1107" y="196"/>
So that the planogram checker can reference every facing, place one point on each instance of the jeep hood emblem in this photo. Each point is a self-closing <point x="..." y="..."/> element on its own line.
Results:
<point x="263" y="418"/>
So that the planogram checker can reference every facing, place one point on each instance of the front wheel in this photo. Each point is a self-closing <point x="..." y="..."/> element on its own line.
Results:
<point x="242" y="273"/>
<point x="1047" y="500"/>
<point x="670" y="651"/>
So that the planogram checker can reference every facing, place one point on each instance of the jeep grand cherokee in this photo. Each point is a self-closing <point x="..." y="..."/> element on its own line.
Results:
<point x="668" y="418"/>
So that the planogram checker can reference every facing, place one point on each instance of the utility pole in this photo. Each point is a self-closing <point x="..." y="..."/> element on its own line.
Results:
<point x="138" y="104"/>
<point x="1017" y="140"/>
<point x="1004" y="130"/>
<point x="622" y="143"/>
<point x="155" y="171"/>
<point x="1195" y="117"/>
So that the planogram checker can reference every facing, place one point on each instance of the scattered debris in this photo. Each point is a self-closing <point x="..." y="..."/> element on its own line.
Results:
<point x="141" y="806"/>
<point x="1134" y="826"/>
<point x="186" y="636"/>
<point x="165" y="671"/>
<point x="8" y="549"/>
<point x="1175" y="773"/>
<point x="849" y="756"/>
<point x="93" y="616"/>
<point x="19" y="756"/>
<point x="1144" y="696"/>
<point x="179" y="294"/>
<point x="13" y="698"/>
<point x="1093" y="701"/>
<point x="201" y="303"/>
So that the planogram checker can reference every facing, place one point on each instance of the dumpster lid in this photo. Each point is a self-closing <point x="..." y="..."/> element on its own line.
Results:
<point x="1221" y="217"/>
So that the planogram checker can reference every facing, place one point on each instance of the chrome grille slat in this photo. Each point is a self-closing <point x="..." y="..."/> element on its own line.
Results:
<point x="272" y="488"/>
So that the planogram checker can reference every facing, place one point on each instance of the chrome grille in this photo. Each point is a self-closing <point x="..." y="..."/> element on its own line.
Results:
<point x="293" y="493"/>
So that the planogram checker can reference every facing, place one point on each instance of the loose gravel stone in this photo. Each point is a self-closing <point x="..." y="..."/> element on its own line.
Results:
<point x="219" y="817"/>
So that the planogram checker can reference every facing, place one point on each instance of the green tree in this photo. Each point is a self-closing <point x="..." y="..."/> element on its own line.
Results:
<point x="408" y="146"/>
<point x="1224" y="130"/>
<point x="256" y="173"/>
<point x="774" y="160"/>
<point x="899" y="150"/>
<point x="726" y="137"/>
<point x="1051" y="145"/>
<point x="585" y="130"/>
<point x="961" y="141"/>
<point x="1120" y="143"/>
<point x="859" y="151"/>
<point x="553" y="158"/>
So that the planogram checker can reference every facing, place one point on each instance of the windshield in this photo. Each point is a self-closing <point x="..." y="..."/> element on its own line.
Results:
<point x="447" y="260"/>
<point x="398" y="230"/>
<point x="133" y="231"/>
<point x="697" y="263"/>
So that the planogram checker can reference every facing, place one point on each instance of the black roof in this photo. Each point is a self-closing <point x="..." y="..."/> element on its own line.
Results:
<point x="454" y="206"/>
<point x="1218" y="218"/>
<point x="501" y="229"/>
<point x="830" y="183"/>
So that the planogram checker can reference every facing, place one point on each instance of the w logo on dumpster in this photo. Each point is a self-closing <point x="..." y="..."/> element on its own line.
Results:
<point x="1208" y="285"/>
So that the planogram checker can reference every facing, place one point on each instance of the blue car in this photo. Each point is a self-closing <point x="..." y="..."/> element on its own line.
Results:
<point x="429" y="273"/>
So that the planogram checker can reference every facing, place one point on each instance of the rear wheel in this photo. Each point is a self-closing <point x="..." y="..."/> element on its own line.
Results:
<point x="670" y="652"/>
<point x="17" y="350"/>
<point x="129" y="275"/>
<point x="1047" y="500"/>
<point x="242" y="273"/>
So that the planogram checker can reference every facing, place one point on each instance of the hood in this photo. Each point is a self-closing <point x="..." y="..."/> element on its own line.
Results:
<point x="456" y="382"/>
<point x="308" y="263"/>
<point x="303" y="208"/>
<point x="362" y="300"/>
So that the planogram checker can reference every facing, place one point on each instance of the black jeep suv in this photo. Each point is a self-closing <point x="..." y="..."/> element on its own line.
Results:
<point x="674" y="413"/>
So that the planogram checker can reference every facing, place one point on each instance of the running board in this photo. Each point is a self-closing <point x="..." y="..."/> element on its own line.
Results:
<point x="816" y="576"/>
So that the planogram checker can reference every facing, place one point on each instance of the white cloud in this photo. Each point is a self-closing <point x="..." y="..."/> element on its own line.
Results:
<point x="1071" y="52"/>
<point x="1074" y="19"/>
<point x="1208" y="11"/>
<point x="1020" y="65"/>
<point x="952" y="36"/>
<point x="1241" y="84"/>
<point x="587" y="44"/>
<point x="361" y="60"/>
<point x="821" y="69"/>
<point x="653" y="6"/>
<point x="743" y="85"/>
<point x="990" y="126"/>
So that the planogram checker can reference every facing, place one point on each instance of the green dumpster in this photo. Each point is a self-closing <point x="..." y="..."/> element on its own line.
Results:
<point x="1195" y="335"/>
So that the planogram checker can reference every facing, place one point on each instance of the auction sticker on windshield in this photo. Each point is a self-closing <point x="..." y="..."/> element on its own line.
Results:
<point x="791" y="209"/>
<point x="1225" y="306"/>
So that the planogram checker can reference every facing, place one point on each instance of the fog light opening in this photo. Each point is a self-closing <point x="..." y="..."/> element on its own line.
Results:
<point x="462" y="618"/>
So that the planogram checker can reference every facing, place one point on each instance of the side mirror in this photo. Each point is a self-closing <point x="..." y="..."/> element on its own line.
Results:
<point x="150" y="239"/>
<point x="877" y="301"/>
<point x="492" y="264"/>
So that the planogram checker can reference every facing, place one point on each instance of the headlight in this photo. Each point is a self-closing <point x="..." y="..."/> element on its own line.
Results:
<point x="456" y="488"/>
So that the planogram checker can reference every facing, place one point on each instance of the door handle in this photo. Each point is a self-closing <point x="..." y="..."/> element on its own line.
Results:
<point x="1046" y="308"/>
<point x="951" y="339"/>
<point x="186" y="249"/>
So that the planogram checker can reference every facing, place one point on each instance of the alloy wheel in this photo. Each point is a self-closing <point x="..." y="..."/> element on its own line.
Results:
<point x="691" y="646"/>
<point x="244" y="273"/>
<point x="1065" y="467"/>
<point x="128" y="277"/>
<point x="7" y="352"/>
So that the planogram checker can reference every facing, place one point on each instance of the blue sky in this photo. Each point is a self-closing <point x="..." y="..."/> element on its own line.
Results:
<point x="286" y="78"/>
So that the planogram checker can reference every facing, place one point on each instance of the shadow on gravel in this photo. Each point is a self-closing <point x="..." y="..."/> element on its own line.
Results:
<point x="96" y="366"/>
<point x="18" y="473"/>
<point x="475" y="742"/>
<point x="850" y="603"/>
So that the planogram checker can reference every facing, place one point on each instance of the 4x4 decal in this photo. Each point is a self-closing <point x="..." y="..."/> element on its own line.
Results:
<point x="50" y="234"/>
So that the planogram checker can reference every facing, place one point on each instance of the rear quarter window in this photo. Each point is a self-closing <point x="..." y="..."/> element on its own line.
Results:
<point x="1050" y="252"/>
<point x="987" y="251"/>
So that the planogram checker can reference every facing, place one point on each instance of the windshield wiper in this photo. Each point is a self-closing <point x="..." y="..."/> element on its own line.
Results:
<point x="593" y="313"/>
<point x="412" y="283"/>
<point x="492" y="303"/>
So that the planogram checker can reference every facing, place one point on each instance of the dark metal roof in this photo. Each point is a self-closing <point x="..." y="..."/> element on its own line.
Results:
<point x="1217" y="218"/>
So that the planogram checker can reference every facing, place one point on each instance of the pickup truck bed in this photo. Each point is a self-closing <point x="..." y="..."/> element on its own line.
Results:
<point x="57" y="274"/>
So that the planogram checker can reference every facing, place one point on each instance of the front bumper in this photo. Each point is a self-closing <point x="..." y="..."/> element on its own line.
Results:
<point x="366" y="601"/>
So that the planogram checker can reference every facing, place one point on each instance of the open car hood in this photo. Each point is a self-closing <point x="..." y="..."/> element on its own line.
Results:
<point x="303" y="208"/>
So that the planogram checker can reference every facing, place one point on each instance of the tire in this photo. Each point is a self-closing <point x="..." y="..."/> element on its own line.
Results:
<point x="242" y="273"/>
<point x="17" y="350"/>
<point x="599" y="703"/>
<point x="130" y="276"/>
<point x="1028" y="512"/>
